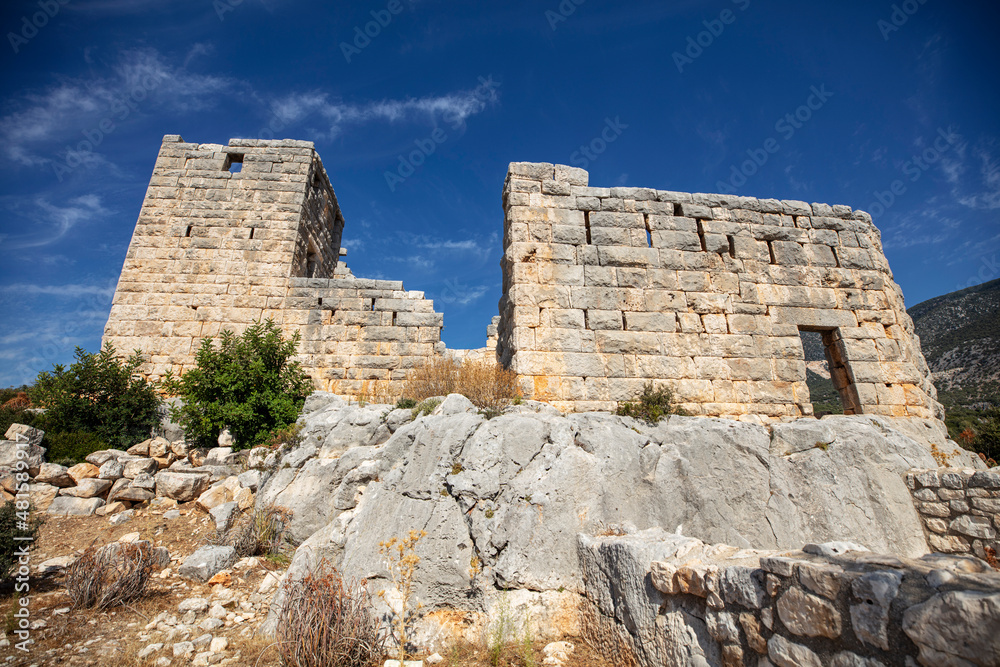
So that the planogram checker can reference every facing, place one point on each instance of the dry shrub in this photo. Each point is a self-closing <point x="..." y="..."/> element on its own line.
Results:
<point x="379" y="392"/>
<point x="486" y="383"/>
<point x="437" y="377"/>
<point x="113" y="575"/>
<point x="259" y="532"/>
<point x="327" y="622"/>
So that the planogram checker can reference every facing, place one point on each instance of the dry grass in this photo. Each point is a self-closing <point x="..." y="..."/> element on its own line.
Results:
<point x="111" y="576"/>
<point x="379" y="391"/>
<point x="327" y="623"/>
<point x="483" y="381"/>
<point x="258" y="532"/>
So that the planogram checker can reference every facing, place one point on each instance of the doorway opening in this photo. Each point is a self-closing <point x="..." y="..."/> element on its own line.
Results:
<point x="830" y="388"/>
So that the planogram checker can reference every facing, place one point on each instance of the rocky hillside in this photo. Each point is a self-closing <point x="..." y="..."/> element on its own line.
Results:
<point x="960" y="336"/>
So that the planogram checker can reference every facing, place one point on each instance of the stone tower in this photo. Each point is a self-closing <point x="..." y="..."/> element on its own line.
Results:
<point x="231" y="235"/>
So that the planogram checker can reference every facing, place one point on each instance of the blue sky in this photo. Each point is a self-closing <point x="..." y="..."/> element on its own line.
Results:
<point x="887" y="107"/>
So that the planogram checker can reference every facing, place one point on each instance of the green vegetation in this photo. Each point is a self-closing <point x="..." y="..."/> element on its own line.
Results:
<point x="247" y="384"/>
<point x="99" y="399"/>
<point x="976" y="430"/>
<point x="824" y="396"/>
<point x="406" y="404"/>
<point x="425" y="407"/>
<point x="650" y="406"/>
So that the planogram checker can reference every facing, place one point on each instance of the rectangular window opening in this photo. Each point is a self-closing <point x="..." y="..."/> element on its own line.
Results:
<point x="233" y="163"/>
<point x="586" y="222"/>
<point x="649" y="232"/>
<point x="701" y="236"/>
<point x="829" y="387"/>
<point x="677" y="211"/>
<point x="732" y="247"/>
<point x="394" y="318"/>
<point x="252" y="230"/>
<point x="187" y="234"/>
<point x="770" y="251"/>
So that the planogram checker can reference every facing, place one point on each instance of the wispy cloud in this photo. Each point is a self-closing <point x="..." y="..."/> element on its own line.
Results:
<point x="453" y="108"/>
<point x="51" y="223"/>
<point x="70" y="291"/>
<point x="40" y="122"/>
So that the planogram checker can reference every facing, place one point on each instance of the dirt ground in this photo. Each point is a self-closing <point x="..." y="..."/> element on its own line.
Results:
<point x="77" y="637"/>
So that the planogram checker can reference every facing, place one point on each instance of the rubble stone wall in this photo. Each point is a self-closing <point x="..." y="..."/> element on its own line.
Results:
<point x="231" y="235"/>
<point x="676" y="601"/>
<point x="606" y="289"/>
<point x="960" y="509"/>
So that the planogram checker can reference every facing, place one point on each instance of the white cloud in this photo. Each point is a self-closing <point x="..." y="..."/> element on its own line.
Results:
<point x="453" y="108"/>
<point x="462" y="295"/>
<point x="69" y="291"/>
<point x="39" y="123"/>
<point x="54" y="222"/>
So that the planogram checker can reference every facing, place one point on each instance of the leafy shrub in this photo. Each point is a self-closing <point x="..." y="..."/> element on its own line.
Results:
<point x="976" y="430"/>
<point x="110" y="576"/>
<point x="327" y="622"/>
<point x="101" y="394"/>
<point x="288" y="438"/>
<point x="425" y="407"/>
<point x="13" y="527"/>
<point x="247" y="384"/>
<point x="406" y="403"/>
<point x="72" y="447"/>
<point x="650" y="406"/>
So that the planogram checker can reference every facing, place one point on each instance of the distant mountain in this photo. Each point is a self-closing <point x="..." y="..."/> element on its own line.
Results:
<point x="960" y="337"/>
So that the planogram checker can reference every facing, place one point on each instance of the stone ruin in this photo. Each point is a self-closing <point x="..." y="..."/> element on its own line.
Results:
<point x="604" y="289"/>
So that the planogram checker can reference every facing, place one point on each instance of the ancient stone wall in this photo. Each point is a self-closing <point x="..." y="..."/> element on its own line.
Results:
<point x="677" y="601"/>
<point x="960" y="509"/>
<point x="606" y="289"/>
<point x="231" y="235"/>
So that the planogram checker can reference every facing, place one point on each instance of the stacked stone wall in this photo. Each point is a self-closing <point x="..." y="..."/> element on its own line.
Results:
<point x="606" y="289"/>
<point x="832" y="604"/>
<point x="232" y="235"/>
<point x="960" y="509"/>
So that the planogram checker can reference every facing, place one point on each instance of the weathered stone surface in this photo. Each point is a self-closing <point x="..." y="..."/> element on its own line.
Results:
<point x="140" y="466"/>
<point x="68" y="505"/>
<point x="206" y="561"/>
<point x="785" y="653"/>
<point x="112" y="469"/>
<point x="808" y="615"/>
<point x="223" y="515"/>
<point x="870" y="618"/>
<point x="83" y="471"/>
<point x="42" y="495"/>
<point x="9" y="454"/>
<point x="959" y="627"/>
<point x="56" y="475"/>
<point x="181" y="486"/>
<point x="213" y="497"/>
<point x="87" y="488"/>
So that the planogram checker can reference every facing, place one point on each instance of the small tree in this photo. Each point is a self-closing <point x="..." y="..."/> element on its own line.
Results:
<point x="101" y="394"/>
<point x="247" y="384"/>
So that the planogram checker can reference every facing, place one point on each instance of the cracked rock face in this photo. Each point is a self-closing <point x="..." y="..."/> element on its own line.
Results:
<point x="503" y="500"/>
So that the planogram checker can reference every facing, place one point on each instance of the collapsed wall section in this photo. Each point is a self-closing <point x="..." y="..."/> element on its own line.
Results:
<point x="606" y="289"/>
<point x="229" y="235"/>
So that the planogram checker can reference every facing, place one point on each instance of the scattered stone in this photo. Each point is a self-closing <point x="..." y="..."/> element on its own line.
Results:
<point x="54" y="474"/>
<point x="206" y="561"/>
<point x="87" y="488"/>
<point x="71" y="506"/>
<point x="181" y="486"/>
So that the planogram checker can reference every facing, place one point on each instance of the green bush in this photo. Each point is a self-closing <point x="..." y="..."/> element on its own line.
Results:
<point x="650" y="406"/>
<point x="70" y="448"/>
<point x="246" y="384"/>
<point x="10" y="530"/>
<point x="100" y="394"/>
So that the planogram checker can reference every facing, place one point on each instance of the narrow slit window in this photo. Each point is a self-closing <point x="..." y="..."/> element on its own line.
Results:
<point x="586" y="222"/>
<point x="770" y="251"/>
<point x="187" y="234"/>
<point x="252" y="230"/>
<point x="649" y="232"/>
<point x="732" y="247"/>
<point x="701" y="236"/>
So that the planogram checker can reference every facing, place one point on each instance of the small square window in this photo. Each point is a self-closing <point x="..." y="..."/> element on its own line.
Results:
<point x="234" y="163"/>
